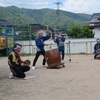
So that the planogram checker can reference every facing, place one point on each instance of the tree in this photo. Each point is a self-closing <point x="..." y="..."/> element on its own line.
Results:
<point x="87" y="33"/>
<point x="80" y="32"/>
<point x="75" y="32"/>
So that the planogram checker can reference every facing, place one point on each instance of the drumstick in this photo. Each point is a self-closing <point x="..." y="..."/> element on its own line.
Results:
<point x="48" y="44"/>
<point x="54" y="43"/>
<point x="48" y="32"/>
<point x="47" y="28"/>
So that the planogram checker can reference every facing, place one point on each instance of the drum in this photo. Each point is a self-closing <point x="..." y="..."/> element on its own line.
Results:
<point x="2" y="42"/>
<point x="53" y="58"/>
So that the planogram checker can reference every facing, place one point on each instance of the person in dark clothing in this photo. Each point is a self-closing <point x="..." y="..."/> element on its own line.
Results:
<point x="60" y="43"/>
<point x="40" y="47"/>
<point x="97" y="50"/>
<point x="17" y="66"/>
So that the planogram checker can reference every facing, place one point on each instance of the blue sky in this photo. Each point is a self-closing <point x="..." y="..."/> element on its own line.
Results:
<point x="76" y="6"/>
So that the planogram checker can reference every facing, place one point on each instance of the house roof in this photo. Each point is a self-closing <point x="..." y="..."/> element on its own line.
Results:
<point x="95" y="18"/>
<point x="39" y="26"/>
<point x="4" y="22"/>
<point x="92" y="26"/>
<point x="94" y="21"/>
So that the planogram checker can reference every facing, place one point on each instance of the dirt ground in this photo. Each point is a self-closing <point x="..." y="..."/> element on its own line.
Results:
<point x="79" y="80"/>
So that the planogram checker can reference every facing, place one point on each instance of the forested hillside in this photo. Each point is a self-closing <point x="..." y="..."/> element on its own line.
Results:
<point x="22" y="16"/>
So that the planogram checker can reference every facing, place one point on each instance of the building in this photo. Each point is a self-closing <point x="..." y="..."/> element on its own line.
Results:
<point x="94" y="24"/>
<point x="6" y="27"/>
<point x="35" y="28"/>
<point x="6" y="35"/>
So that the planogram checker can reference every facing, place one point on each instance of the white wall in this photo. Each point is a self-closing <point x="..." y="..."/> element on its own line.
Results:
<point x="76" y="46"/>
<point x="96" y="32"/>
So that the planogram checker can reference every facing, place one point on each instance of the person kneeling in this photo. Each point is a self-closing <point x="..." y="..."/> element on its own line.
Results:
<point x="17" y="66"/>
<point x="97" y="50"/>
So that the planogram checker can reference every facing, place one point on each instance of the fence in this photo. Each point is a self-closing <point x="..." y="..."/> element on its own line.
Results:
<point x="74" y="46"/>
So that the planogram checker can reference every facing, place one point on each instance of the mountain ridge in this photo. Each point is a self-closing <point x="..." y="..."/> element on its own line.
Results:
<point x="46" y="16"/>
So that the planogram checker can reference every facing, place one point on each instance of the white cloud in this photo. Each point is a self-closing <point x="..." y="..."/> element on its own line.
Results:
<point x="33" y="4"/>
<point x="82" y="6"/>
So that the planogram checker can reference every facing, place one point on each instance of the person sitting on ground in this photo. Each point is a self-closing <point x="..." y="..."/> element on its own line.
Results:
<point x="17" y="66"/>
<point x="60" y="43"/>
<point x="40" y="47"/>
<point x="97" y="50"/>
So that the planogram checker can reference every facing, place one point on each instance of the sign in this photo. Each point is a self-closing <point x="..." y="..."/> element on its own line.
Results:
<point x="10" y="42"/>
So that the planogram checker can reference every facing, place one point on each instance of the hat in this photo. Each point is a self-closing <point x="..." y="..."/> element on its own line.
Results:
<point x="17" y="46"/>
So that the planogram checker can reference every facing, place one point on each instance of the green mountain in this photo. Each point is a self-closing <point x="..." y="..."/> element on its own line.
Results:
<point x="22" y="16"/>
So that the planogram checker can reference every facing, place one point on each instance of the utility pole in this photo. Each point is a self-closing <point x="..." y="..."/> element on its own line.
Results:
<point x="57" y="13"/>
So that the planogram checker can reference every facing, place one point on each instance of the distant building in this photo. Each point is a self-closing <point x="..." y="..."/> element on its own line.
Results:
<point x="94" y="24"/>
<point x="6" y="28"/>
<point x="6" y="35"/>
<point x="35" y="28"/>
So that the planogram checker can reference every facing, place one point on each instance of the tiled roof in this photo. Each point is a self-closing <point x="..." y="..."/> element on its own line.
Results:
<point x="95" y="18"/>
<point x="5" y="23"/>
<point x="39" y="26"/>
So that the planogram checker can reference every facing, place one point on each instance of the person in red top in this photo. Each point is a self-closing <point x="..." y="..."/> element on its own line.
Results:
<point x="16" y="64"/>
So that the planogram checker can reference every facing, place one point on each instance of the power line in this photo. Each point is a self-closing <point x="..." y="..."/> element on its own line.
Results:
<point x="57" y="13"/>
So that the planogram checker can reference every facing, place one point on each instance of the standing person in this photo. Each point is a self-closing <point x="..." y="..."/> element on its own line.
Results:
<point x="40" y="47"/>
<point x="97" y="49"/>
<point x="60" y="43"/>
<point x="16" y="64"/>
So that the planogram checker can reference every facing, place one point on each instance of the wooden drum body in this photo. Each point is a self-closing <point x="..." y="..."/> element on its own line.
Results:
<point x="53" y="58"/>
<point x="2" y="42"/>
